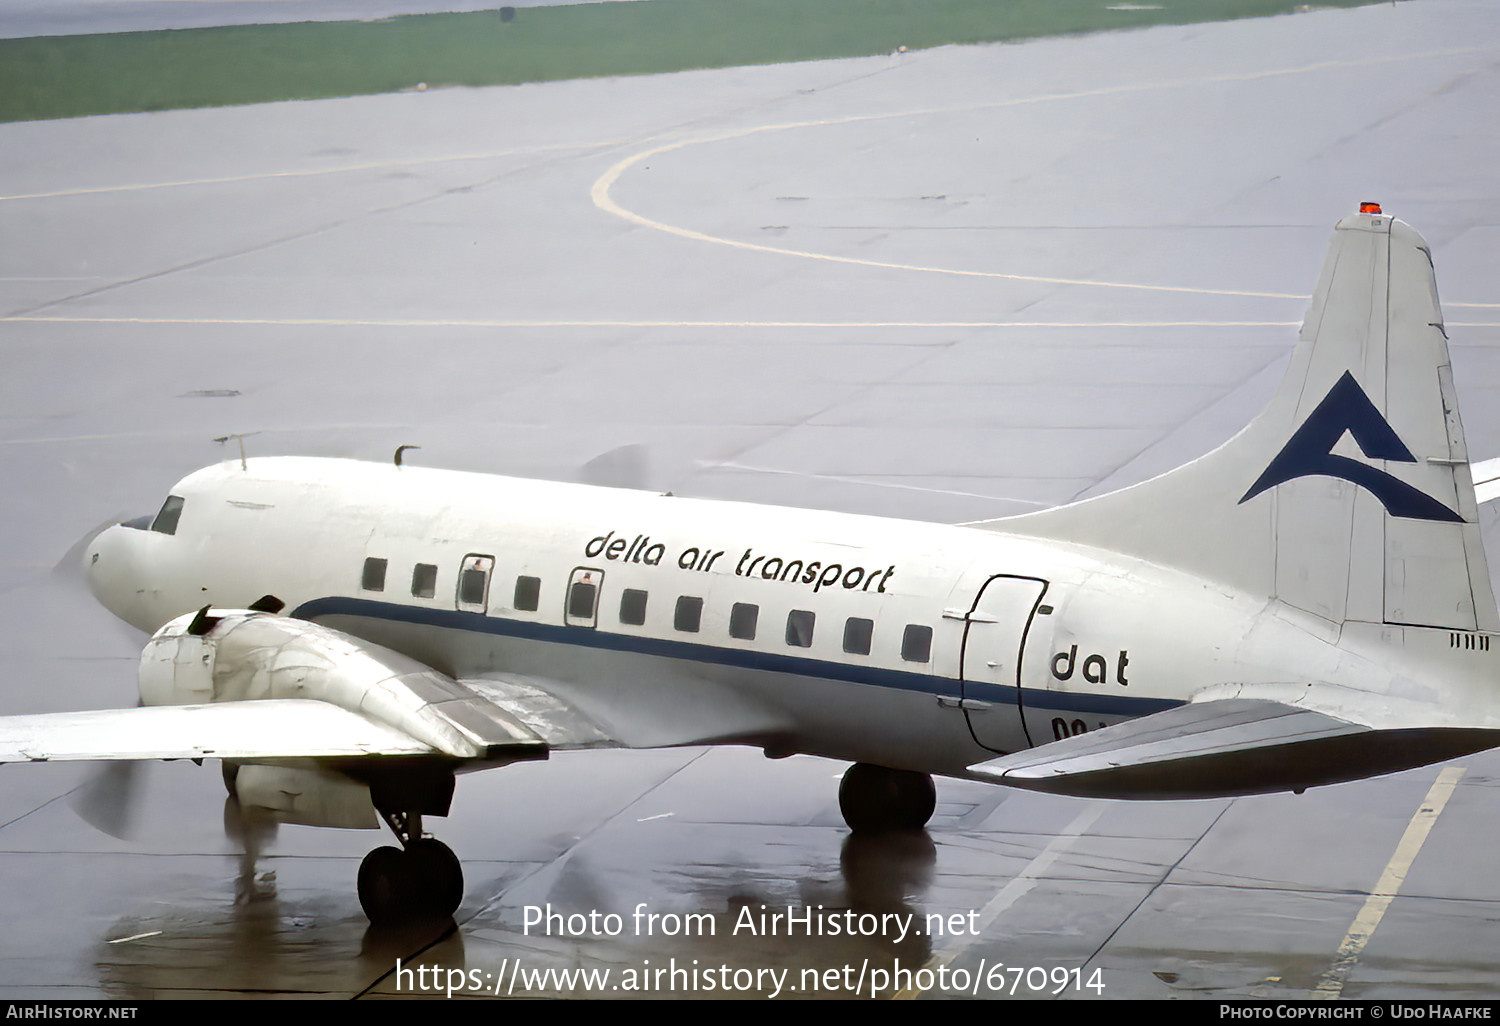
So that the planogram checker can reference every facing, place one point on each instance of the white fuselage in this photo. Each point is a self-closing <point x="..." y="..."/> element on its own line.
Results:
<point x="669" y="620"/>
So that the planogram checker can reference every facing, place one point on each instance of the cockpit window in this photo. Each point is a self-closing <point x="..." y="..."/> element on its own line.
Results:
<point x="166" y="519"/>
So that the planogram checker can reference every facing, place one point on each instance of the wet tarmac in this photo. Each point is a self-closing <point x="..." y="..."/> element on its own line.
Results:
<point x="945" y="285"/>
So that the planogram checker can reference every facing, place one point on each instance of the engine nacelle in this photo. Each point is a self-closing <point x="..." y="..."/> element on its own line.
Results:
<point x="308" y="796"/>
<point x="241" y="655"/>
<point x="177" y="668"/>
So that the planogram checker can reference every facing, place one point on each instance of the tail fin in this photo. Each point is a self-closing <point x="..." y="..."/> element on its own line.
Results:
<point x="1350" y="495"/>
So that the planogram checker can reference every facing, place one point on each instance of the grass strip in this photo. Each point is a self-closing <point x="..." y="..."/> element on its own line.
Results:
<point x="69" y="76"/>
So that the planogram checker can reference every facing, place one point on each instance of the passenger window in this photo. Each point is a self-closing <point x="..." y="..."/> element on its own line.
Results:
<point x="167" y="517"/>
<point x="528" y="593"/>
<point x="916" y="643"/>
<point x="373" y="579"/>
<point x="633" y="607"/>
<point x="689" y="614"/>
<point x="799" y="628"/>
<point x="857" y="631"/>
<point x="581" y="598"/>
<point x="742" y="620"/>
<point x="424" y="580"/>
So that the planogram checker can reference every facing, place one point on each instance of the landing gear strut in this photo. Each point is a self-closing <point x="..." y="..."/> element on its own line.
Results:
<point x="422" y="879"/>
<point x="874" y="798"/>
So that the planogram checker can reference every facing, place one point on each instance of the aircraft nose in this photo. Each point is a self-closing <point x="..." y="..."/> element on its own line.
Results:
<point x="113" y="568"/>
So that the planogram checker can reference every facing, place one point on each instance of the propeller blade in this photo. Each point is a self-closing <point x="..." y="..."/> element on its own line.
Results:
<point x="628" y="466"/>
<point x="70" y="567"/>
<point x="106" y="800"/>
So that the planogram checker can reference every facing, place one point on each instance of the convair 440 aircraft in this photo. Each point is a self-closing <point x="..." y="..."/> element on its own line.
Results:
<point x="1307" y="604"/>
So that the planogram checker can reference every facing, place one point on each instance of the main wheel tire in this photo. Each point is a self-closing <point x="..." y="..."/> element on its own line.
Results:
<point x="874" y="798"/>
<point x="439" y="875"/>
<point x="388" y="890"/>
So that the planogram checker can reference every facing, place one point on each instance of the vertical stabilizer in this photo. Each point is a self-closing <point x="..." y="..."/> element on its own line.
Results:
<point x="1350" y="495"/>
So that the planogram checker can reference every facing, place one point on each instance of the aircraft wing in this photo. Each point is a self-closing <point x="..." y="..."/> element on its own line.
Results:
<point x="510" y="713"/>
<point x="570" y="716"/>
<point x="296" y="728"/>
<point x="292" y="689"/>
<point x="532" y="703"/>
<point x="1226" y="747"/>
<point x="265" y="729"/>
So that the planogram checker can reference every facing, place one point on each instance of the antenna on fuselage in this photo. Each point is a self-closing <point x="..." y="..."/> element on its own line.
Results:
<point x="241" y="439"/>
<point x="402" y="448"/>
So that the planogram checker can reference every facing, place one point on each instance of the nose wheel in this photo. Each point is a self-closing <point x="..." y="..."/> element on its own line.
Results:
<point x="420" y="880"/>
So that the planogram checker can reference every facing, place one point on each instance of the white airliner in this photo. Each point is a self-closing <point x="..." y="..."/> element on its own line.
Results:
<point x="1307" y="604"/>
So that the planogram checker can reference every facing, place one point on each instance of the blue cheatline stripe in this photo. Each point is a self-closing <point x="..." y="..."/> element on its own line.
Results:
<point x="750" y="659"/>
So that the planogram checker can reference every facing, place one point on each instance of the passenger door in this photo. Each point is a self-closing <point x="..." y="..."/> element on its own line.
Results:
<point x="996" y="629"/>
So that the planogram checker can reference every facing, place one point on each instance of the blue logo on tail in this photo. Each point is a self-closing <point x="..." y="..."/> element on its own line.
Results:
<point x="1309" y="452"/>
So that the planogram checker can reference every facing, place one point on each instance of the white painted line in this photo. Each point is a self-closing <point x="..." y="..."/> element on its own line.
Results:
<point x="340" y="169"/>
<point x="605" y="202"/>
<point x="319" y="322"/>
<point x="1331" y="986"/>
<point x="1011" y="893"/>
<point x="601" y="190"/>
<point x="403" y="322"/>
<point x="135" y="937"/>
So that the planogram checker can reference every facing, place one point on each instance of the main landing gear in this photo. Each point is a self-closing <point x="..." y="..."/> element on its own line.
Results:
<point x="420" y="880"/>
<point x="874" y="798"/>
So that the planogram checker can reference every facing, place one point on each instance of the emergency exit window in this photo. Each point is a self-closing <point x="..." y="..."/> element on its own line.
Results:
<point x="471" y="586"/>
<point x="581" y="598"/>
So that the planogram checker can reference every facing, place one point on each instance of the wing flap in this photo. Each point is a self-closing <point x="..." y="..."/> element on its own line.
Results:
<point x="261" y="729"/>
<point x="556" y="721"/>
<point x="569" y="716"/>
<point x="1224" y="748"/>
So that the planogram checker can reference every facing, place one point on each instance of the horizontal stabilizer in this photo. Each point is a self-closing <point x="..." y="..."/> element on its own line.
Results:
<point x="1225" y="748"/>
<point x="1486" y="481"/>
<point x="263" y="729"/>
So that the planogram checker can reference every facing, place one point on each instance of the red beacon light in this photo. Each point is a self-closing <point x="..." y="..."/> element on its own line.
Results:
<point x="1369" y="208"/>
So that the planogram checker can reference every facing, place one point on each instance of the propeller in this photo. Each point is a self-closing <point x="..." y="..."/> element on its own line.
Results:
<point x="70" y="566"/>
<point x="627" y="466"/>
<point x="107" y="799"/>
